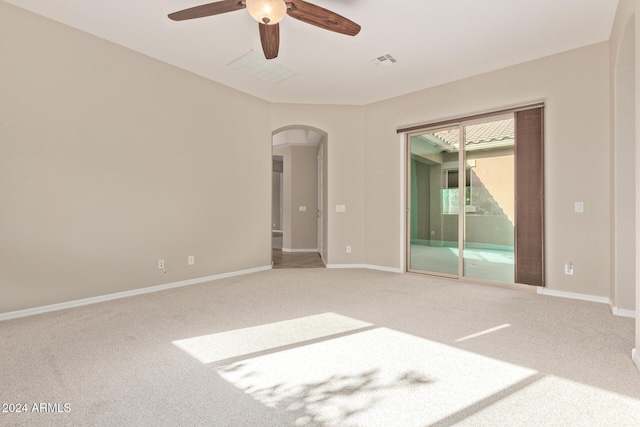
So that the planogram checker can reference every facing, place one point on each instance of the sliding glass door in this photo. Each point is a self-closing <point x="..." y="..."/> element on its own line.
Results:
<point x="461" y="200"/>
<point x="434" y="201"/>
<point x="490" y="204"/>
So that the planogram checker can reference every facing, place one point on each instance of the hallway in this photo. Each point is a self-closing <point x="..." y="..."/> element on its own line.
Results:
<point x="296" y="259"/>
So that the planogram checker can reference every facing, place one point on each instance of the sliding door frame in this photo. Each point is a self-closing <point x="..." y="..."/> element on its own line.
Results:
<point x="407" y="196"/>
<point x="462" y="172"/>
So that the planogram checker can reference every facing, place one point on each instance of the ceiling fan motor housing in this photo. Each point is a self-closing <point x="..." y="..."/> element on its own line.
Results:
<point x="268" y="12"/>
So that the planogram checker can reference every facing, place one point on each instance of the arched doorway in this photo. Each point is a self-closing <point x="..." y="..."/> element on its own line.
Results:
<point x="299" y="223"/>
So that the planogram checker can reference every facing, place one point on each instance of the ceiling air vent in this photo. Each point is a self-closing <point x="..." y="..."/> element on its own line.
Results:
<point x="384" y="60"/>
<point x="257" y="66"/>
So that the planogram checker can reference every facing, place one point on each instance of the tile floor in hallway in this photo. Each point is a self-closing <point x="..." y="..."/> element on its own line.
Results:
<point x="296" y="259"/>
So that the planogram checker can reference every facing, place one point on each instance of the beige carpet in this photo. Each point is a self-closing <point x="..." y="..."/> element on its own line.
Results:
<point x="315" y="347"/>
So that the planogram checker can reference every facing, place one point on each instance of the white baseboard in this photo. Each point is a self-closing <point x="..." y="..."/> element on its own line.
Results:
<point x="572" y="295"/>
<point x="636" y="358"/>
<point x="299" y="250"/>
<point x="366" y="266"/>
<point x="345" y="265"/>
<point x="125" y="294"/>
<point x="621" y="311"/>
<point x="591" y="298"/>
<point x="383" y="268"/>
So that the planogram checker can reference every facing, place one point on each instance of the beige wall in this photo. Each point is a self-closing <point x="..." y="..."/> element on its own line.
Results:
<point x="574" y="87"/>
<point x="300" y="188"/>
<point x="304" y="192"/>
<point x="110" y="160"/>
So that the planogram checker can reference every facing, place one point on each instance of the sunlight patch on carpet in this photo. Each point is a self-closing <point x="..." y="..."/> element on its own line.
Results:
<point x="562" y="402"/>
<point x="240" y="342"/>
<point x="481" y="333"/>
<point x="379" y="377"/>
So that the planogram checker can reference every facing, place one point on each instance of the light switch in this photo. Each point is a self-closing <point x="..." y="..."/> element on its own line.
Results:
<point x="568" y="269"/>
<point x="341" y="208"/>
<point x="579" y="207"/>
<point x="302" y="208"/>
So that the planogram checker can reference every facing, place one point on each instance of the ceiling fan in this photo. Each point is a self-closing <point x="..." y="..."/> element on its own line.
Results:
<point x="268" y="13"/>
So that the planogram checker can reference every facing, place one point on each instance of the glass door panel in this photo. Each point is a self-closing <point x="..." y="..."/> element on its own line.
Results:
<point x="489" y="211"/>
<point x="433" y="200"/>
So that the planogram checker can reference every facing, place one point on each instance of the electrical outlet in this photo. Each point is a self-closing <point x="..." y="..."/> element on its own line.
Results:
<point x="348" y="249"/>
<point x="161" y="264"/>
<point x="568" y="269"/>
<point x="191" y="260"/>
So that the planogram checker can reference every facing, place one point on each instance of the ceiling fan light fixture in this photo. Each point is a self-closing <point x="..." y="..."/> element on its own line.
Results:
<point x="268" y="12"/>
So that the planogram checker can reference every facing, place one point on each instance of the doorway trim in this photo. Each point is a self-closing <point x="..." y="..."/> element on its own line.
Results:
<point x="320" y="208"/>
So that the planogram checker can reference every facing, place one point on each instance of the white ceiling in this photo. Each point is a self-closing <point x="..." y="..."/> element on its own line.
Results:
<point x="434" y="41"/>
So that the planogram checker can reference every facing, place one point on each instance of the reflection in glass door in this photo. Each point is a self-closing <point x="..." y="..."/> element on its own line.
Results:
<point x="434" y="202"/>
<point x="475" y="178"/>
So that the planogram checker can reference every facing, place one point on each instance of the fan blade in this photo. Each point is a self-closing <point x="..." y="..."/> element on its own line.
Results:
<point x="208" y="9"/>
<point x="270" y="38"/>
<point x="320" y="17"/>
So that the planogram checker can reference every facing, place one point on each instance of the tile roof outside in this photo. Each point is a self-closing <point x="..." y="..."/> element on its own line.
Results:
<point x="499" y="130"/>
